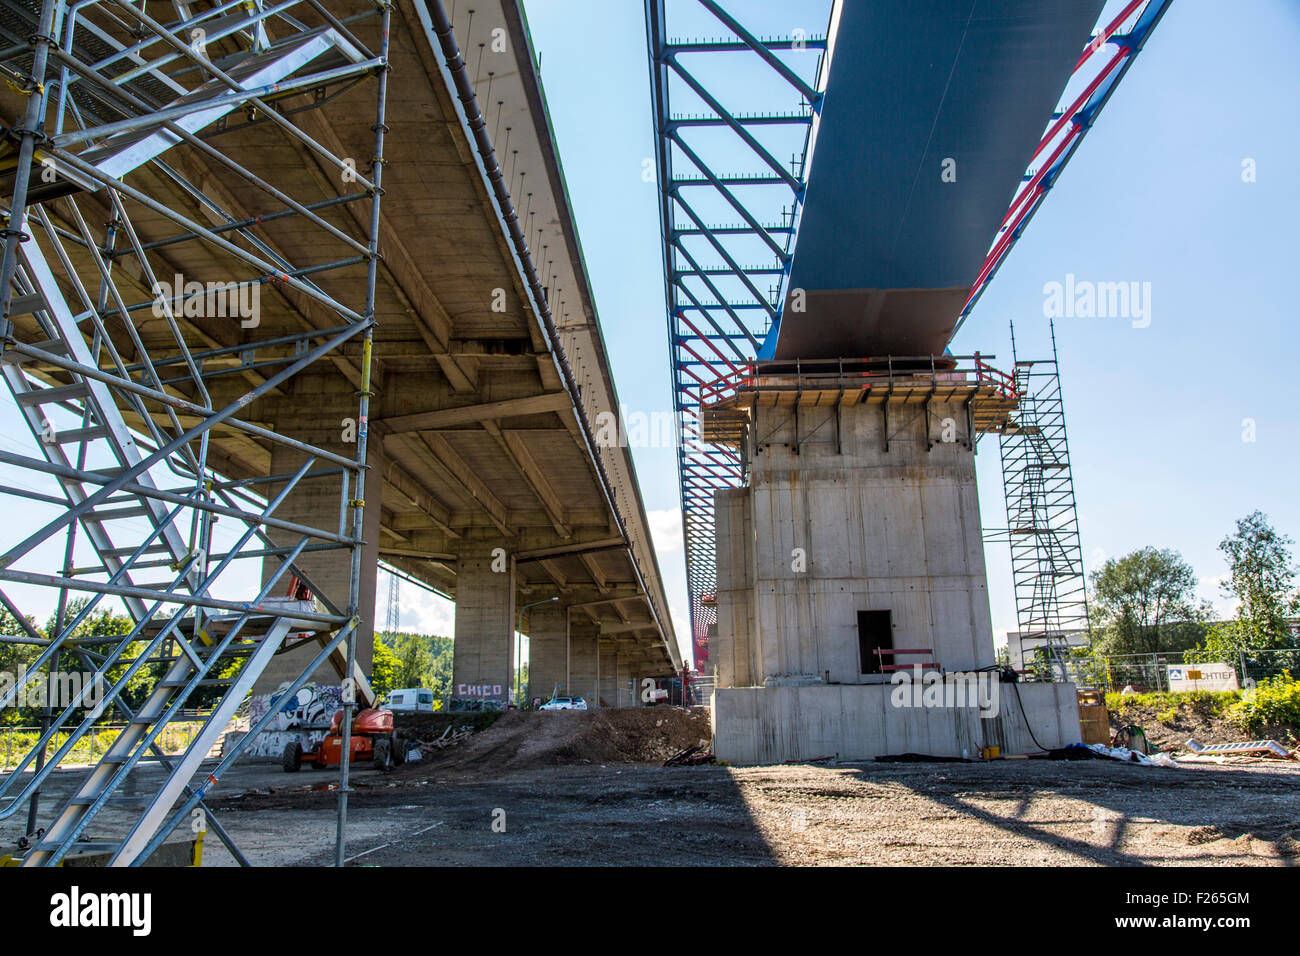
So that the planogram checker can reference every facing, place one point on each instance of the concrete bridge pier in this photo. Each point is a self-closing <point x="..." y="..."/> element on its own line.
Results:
<point x="607" y="690"/>
<point x="856" y="548"/>
<point x="315" y="503"/>
<point x="547" y="626"/>
<point x="483" y="655"/>
<point x="626" y="695"/>
<point x="584" y="638"/>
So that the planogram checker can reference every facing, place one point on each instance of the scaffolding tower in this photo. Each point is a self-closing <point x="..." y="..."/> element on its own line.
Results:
<point x="1042" y="520"/>
<point x="138" y="150"/>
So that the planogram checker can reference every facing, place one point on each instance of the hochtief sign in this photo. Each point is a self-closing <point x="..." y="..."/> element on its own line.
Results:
<point x="1217" y="676"/>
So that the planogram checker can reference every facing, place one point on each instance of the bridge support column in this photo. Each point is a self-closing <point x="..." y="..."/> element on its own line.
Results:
<point x="624" y="695"/>
<point x="606" y="684"/>
<point x="483" y="654"/>
<point x="584" y="639"/>
<point x="548" y="642"/>
<point x="315" y="503"/>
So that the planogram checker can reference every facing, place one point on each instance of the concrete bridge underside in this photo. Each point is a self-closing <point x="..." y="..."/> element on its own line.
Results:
<point x="484" y="476"/>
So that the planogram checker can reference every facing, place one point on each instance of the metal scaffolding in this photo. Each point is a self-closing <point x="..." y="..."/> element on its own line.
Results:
<point x="134" y="139"/>
<point x="1042" y="520"/>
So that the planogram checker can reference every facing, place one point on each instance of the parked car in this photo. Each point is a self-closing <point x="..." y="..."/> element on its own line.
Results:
<point x="409" y="700"/>
<point x="564" y="703"/>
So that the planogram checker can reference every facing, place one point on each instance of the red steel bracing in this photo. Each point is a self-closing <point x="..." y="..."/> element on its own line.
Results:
<point x="704" y="384"/>
<point x="681" y="317"/>
<point x="1066" y="117"/>
<point x="1100" y="39"/>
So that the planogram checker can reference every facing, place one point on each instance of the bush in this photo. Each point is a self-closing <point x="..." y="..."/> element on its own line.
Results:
<point x="1167" y="705"/>
<point x="1272" y="702"/>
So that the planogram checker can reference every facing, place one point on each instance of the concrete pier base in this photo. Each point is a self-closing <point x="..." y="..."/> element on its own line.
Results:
<point x="765" y="725"/>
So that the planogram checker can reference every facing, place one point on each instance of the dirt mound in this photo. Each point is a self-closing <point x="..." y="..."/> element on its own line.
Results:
<point x="524" y="739"/>
<point x="423" y="727"/>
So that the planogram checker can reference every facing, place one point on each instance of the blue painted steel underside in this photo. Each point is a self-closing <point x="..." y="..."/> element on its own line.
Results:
<point x="887" y="250"/>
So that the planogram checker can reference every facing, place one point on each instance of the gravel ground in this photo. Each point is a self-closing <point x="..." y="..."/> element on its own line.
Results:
<point x="557" y="788"/>
<point x="1005" y="813"/>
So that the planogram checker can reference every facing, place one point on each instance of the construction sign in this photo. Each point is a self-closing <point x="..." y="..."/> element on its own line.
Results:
<point x="1217" y="676"/>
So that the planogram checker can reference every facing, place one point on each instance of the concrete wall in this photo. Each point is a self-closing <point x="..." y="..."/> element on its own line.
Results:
<point x="754" y="725"/>
<point x="314" y="706"/>
<point x="731" y="649"/>
<point x="837" y="531"/>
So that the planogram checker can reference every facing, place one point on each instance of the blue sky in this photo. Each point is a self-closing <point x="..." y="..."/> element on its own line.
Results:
<point x="1155" y="194"/>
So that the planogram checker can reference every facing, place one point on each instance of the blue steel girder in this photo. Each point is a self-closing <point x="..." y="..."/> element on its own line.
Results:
<point x="1127" y="33"/>
<point x="890" y="250"/>
<point x="715" y="271"/>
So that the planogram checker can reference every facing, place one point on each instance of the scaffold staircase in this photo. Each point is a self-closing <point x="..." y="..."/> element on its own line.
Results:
<point x="1042" y="519"/>
<point x="102" y="430"/>
<point x="117" y="391"/>
<point x="252" y="636"/>
<point x="169" y="694"/>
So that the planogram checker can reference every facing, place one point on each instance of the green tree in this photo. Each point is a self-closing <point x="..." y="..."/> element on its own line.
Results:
<point x="1262" y="579"/>
<point x="103" y="622"/>
<point x="384" y="668"/>
<point x="1145" y="603"/>
<point x="415" y="661"/>
<point x="1222" y="644"/>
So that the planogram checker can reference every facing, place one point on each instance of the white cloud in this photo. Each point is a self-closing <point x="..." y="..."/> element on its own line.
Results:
<point x="666" y="530"/>
<point x="1210" y="588"/>
<point x="666" y="533"/>
<point x="418" y="610"/>
<point x="427" y="613"/>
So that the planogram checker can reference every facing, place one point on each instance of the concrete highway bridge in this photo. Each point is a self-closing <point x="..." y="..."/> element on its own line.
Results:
<point x="296" y="285"/>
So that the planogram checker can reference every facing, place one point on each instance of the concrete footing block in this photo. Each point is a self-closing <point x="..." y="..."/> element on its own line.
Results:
<point x="766" y="725"/>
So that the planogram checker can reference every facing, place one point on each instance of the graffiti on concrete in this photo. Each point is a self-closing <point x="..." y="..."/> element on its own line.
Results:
<point x="304" y="718"/>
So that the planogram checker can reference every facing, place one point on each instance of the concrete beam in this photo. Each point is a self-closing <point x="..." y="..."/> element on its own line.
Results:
<point x="516" y="449"/>
<point x="476" y="414"/>
<point x="577" y="547"/>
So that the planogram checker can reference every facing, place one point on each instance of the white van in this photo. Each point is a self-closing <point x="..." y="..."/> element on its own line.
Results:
<point x="564" y="703"/>
<point x="409" y="700"/>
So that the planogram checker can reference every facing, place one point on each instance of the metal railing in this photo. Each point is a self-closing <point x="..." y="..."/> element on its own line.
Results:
<point x="15" y="741"/>
<point x="889" y="372"/>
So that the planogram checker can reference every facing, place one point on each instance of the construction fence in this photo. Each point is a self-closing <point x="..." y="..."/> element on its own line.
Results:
<point x="16" y="742"/>
<point x="1148" y="673"/>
